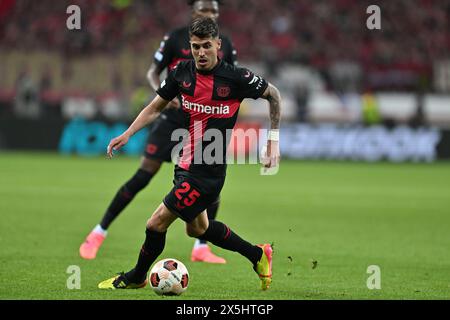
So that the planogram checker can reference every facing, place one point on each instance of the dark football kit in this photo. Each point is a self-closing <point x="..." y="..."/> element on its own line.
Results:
<point x="210" y="103"/>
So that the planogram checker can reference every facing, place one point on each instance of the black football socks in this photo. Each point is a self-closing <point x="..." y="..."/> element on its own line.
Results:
<point x="222" y="236"/>
<point x="153" y="246"/>
<point x="124" y="196"/>
<point x="212" y="214"/>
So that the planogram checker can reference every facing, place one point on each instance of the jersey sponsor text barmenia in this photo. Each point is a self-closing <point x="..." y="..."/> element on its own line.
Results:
<point x="197" y="107"/>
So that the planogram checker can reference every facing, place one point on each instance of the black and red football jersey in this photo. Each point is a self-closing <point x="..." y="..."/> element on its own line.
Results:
<point x="209" y="100"/>
<point x="175" y="47"/>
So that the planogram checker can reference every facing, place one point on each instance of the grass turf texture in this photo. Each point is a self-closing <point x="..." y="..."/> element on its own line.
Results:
<point x="345" y="216"/>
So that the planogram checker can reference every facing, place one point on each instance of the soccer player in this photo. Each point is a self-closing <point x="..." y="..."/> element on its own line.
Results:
<point x="174" y="48"/>
<point x="211" y="91"/>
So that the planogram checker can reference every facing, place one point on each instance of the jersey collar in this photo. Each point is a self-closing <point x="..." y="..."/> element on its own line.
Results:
<point x="204" y="72"/>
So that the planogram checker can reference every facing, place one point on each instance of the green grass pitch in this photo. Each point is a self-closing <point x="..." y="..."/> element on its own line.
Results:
<point x="346" y="216"/>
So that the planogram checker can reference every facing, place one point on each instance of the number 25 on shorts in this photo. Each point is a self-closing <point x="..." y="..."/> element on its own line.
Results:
<point x="190" y="198"/>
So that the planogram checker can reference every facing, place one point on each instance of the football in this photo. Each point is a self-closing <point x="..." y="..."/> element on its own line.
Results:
<point x="169" y="277"/>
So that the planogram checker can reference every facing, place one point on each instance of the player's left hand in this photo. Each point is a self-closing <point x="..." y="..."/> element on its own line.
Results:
<point x="117" y="143"/>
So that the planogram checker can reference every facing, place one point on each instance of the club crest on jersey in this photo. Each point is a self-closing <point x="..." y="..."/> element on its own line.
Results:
<point x="223" y="91"/>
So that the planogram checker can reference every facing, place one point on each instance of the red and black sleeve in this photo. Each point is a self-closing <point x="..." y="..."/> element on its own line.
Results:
<point x="169" y="88"/>
<point x="250" y="85"/>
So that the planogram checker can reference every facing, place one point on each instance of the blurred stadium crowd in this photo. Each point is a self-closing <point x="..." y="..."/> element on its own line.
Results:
<point x="311" y="45"/>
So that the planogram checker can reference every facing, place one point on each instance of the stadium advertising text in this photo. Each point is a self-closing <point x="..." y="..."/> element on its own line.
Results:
<point x="298" y="141"/>
<point x="375" y="143"/>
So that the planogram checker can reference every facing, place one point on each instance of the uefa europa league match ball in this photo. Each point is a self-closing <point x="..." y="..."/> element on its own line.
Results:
<point x="169" y="277"/>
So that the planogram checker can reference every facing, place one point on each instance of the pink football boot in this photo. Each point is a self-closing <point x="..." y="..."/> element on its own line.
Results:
<point x="89" y="248"/>
<point x="203" y="254"/>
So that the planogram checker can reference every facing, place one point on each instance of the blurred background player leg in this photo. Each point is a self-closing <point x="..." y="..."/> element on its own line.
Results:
<point x="201" y="251"/>
<point x="126" y="193"/>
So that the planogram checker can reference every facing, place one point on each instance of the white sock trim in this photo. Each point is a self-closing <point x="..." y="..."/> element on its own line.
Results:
<point x="198" y="244"/>
<point x="98" y="229"/>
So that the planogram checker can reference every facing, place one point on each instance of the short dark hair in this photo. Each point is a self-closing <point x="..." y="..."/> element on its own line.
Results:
<point x="204" y="28"/>
<point x="191" y="2"/>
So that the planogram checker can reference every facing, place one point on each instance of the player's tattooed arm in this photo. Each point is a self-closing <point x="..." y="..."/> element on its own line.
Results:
<point x="271" y="155"/>
<point x="272" y="94"/>
<point x="147" y="115"/>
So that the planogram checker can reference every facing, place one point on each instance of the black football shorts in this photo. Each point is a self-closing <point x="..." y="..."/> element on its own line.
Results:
<point x="192" y="193"/>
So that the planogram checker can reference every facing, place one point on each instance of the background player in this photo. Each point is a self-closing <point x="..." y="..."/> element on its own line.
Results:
<point x="198" y="183"/>
<point x="174" y="48"/>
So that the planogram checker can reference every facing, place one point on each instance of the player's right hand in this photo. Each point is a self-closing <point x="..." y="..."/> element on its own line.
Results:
<point x="270" y="158"/>
<point x="116" y="144"/>
<point x="270" y="154"/>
